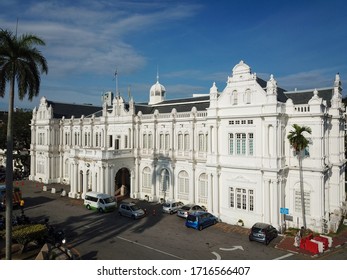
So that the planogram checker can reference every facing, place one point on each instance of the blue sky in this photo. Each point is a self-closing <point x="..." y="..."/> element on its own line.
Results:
<point x="193" y="43"/>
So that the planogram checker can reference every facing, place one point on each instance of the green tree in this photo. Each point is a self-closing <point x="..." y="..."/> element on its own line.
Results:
<point x="299" y="143"/>
<point x="21" y="136"/>
<point x="21" y="62"/>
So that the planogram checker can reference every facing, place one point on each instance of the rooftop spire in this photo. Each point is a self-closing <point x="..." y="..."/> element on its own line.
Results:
<point x="157" y="74"/>
<point x="116" y="78"/>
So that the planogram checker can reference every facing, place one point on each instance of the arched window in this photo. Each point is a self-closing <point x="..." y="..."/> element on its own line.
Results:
<point x="146" y="179"/>
<point x="186" y="142"/>
<point x="202" y="188"/>
<point x="180" y="142"/>
<point x="235" y="97"/>
<point x="183" y="185"/>
<point x="167" y="141"/>
<point x="150" y="141"/>
<point x="164" y="180"/>
<point x="144" y="141"/>
<point x="161" y="141"/>
<point x="248" y="96"/>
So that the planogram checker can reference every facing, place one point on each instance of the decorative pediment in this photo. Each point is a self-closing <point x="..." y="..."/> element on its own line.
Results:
<point x="242" y="179"/>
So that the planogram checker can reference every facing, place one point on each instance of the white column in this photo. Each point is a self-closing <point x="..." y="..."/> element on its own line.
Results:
<point x="275" y="218"/>
<point x="112" y="180"/>
<point x="209" y="192"/>
<point x="154" y="182"/>
<point x="192" y="195"/>
<point x="133" y="193"/>
<point x="173" y="184"/>
<point x="73" y="186"/>
<point x="102" y="179"/>
<point x="215" y="194"/>
<point x="267" y="201"/>
<point x="171" y="187"/>
<point x="99" y="178"/>
<point x="107" y="179"/>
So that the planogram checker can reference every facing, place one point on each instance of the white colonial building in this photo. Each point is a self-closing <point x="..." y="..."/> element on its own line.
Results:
<point x="227" y="150"/>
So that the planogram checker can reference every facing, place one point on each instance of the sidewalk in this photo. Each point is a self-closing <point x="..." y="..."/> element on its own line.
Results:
<point x="287" y="244"/>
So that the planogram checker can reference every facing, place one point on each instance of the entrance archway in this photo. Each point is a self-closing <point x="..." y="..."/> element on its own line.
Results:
<point x="122" y="183"/>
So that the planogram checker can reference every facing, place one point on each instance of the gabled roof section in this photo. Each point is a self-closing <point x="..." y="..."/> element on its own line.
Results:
<point x="304" y="96"/>
<point x="281" y="97"/>
<point x="68" y="110"/>
<point x="181" y="105"/>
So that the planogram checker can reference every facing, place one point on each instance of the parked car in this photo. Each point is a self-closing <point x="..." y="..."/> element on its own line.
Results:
<point x="171" y="207"/>
<point x="200" y="219"/>
<point x="263" y="233"/>
<point x="99" y="201"/>
<point x="131" y="210"/>
<point x="186" y="209"/>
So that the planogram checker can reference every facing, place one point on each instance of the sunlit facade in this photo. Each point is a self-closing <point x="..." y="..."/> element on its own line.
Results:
<point x="226" y="150"/>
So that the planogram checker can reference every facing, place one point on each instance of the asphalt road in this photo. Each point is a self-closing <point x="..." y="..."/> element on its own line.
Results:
<point x="158" y="236"/>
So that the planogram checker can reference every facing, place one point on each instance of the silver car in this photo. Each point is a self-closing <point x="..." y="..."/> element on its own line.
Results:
<point x="171" y="207"/>
<point x="186" y="209"/>
<point x="131" y="210"/>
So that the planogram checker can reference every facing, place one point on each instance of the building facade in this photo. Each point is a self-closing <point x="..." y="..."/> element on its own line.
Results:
<point x="227" y="150"/>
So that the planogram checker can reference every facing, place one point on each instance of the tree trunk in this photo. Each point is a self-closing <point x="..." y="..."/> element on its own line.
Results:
<point x="302" y="193"/>
<point x="9" y="171"/>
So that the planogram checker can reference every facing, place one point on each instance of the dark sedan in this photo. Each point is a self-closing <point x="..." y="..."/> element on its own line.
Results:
<point x="263" y="233"/>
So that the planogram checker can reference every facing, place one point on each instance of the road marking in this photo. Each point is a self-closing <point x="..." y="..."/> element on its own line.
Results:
<point x="285" y="256"/>
<point x="148" y="247"/>
<point x="232" y="249"/>
<point x="217" y="255"/>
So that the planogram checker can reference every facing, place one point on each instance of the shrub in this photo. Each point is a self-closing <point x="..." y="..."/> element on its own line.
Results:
<point x="27" y="233"/>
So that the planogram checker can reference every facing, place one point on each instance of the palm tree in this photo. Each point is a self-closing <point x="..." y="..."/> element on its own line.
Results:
<point x="21" y="62"/>
<point x="299" y="142"/>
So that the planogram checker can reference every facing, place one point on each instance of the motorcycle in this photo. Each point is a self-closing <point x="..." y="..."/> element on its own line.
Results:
<point x="3" y="222"/>
<point x="54" y="237"/>
<point x="23" y="220"/>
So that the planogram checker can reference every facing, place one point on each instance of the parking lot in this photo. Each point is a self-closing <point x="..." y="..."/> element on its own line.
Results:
<point x="108" y="236"/>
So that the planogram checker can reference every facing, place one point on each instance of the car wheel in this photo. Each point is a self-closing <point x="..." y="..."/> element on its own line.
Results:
<point x="171" y="212"/>
<point x="214" y="222"/>
<point x="88" y="207"/>
<point x="100" y="210"/>
<point x="267" y="241"/>
<point x="200" y="227"/>
<point x="133" y="216"/>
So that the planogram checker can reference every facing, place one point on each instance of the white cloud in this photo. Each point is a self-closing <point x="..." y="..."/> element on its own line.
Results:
<point x="87" y="38"/>
<point x="308" y="79"/>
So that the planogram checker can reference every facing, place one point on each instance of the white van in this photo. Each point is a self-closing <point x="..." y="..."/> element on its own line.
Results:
<point x="99" y="201"/>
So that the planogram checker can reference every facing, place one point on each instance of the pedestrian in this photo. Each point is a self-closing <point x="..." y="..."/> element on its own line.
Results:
<point x="297" y="239"/>
<point x="302" y="232"/>
<point x="21" y="204"/>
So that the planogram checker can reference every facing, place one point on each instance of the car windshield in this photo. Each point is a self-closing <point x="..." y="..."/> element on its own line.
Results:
<point x="187" y="208"/>
<point x="108" y="200"/>
<point x="191" y="218"/>
<point x="257" y="229"/>
<point x="166" y="205"/>
<point x="134" y="208"/>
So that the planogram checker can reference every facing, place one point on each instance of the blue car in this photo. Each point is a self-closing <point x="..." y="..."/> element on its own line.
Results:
<point x="200" y="219"/>
<point x="263" y="233"/>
